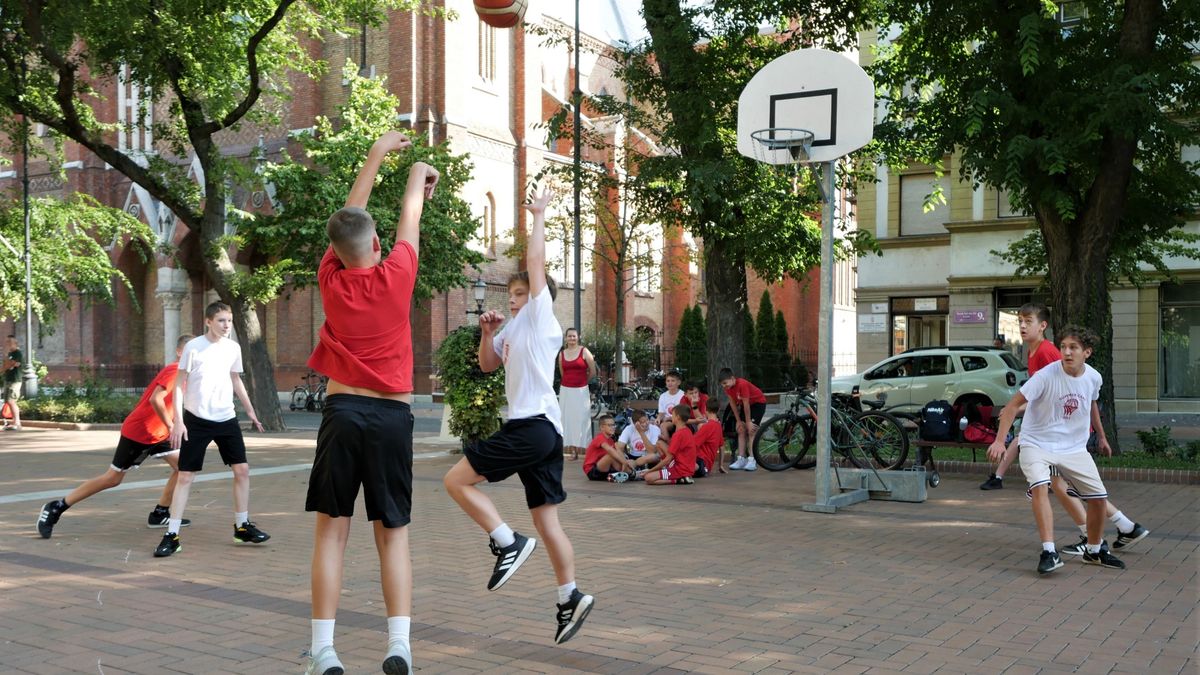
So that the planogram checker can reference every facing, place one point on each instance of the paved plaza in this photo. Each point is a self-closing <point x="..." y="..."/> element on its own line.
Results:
<point x="726" y="576"/>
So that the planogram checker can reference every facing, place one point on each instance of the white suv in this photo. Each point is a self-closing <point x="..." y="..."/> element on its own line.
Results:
<point x="979" y="375"/>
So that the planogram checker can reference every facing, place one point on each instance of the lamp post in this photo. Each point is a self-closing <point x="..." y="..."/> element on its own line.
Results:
<point x="577" y="102"/>
<point x="29" y="376"/>
<point x="479" y="288"/>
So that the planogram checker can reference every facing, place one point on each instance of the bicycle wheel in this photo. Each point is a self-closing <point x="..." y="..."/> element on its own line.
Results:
<point x="319" y="399"/>
<point x="782" y="441"/>
<point x="845" y="437"/>
<point x="299" y="399"/>
<point x="884" y="439"/>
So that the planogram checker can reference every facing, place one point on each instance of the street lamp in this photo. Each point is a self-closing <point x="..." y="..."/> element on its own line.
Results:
<point x="29" y="376"/>
<point x="479" y="288"/>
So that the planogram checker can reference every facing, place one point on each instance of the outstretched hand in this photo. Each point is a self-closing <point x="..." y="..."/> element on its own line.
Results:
<point x="538" y="203"/>
<point x="393" y="141"/>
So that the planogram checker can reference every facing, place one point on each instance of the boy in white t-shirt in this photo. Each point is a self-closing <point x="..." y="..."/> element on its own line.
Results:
<point x="1060" y="407"/>
<point x="641" y="441"/>
<point x="530" y="444"/>
<point x="667" y="401"/>
<point x="210" y="373"/>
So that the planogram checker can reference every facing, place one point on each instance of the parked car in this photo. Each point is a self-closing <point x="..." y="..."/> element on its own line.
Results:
<point x="960" y="375"/>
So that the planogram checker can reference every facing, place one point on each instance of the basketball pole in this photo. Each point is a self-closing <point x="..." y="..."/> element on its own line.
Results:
<point x="825" y="343"/>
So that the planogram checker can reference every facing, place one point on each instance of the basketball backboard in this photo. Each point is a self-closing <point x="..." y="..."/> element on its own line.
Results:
<point x="814" y="89"/>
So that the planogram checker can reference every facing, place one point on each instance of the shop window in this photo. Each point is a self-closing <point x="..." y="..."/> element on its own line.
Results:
<point x="1179" y="341"/>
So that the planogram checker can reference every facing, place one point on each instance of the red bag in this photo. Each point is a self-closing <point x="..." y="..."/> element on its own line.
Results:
<point x="978" y="432"/>
<point x="6" y="411"/>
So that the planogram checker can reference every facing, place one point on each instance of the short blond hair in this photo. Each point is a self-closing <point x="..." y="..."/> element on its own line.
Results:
<point x="350" y="231"/>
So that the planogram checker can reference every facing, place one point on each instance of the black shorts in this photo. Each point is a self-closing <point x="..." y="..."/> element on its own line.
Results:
<point x="729" y="424"/>
<point x="130" y="453"/>
<point x="595" y="473"/>
<point x="363" y="441"/>
<point x="531" y="448"/>
<point x="201" y="432"/>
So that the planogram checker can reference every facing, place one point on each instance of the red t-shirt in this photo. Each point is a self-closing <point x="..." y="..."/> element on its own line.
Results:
<point x="698" y="408"/>
<point x="742" y="389"/>
<point x="1045" y="354"/>
<point x="366" y="340"/>
<point x="595" y="451"/>
<point x="143" y="425"/>
<point x="708" y="441"/>
<point x="683" y="450"/>
<point x="574" y="373"/>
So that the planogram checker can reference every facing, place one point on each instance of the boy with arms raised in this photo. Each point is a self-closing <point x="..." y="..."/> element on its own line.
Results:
<point x="365" y="436"/>
<point x="1059" y="405"/>
<point x="530" y="443"/>
<point x="678" y="463"/>
<point x="144" y="433"/>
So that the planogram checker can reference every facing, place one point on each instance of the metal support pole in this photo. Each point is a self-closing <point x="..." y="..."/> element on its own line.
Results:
<point x="29" y="374"/>
<point x="577" y="103"/>
<point x="825" y="343"/>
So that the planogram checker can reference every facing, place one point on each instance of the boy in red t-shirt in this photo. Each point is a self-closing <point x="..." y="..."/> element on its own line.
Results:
<point x="144" y="433"/>
<point x="709" y="441"/>
<point x="365" y="437"/>
<point x="678" y="464"/>
<point x="747" y="404"/>
<point x="603" y="461"/>
<point x="698" y="401"/>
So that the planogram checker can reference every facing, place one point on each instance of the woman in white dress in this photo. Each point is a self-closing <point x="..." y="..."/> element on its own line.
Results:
<point x="577" y="366"/>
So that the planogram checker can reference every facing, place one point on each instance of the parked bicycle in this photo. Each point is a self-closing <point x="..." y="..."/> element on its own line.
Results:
<point x="862" y="437"/>
<point x="309" y="396"/>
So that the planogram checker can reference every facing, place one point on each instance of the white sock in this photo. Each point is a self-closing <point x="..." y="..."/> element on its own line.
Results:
<point x="1083" y="529"/>
<point x="173" y="525"/>
<point x="999" y="476"/>
<point x="322" y="635"/>
<point x="1123" y="524"/>
<point x="398" y="627"/>
<point x="1093" y="549"/>
<point x="503" y="535"/>
<point x="564" y="592"/>
<point x="1048" y="546"/>
<point x="240" y="517"/>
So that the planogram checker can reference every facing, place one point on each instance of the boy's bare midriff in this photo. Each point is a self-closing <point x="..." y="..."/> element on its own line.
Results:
<point x="335" y="387"/>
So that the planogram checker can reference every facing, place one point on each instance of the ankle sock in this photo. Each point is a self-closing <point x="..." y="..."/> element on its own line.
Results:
<point x="1083" y="529"/>
<point x="398" y="629"/>
<point x="1093" y="549"/>
<point x="322" y="635"/>
<point x="999" y="476"/>
<point x="1123" y="524"/>
<point x="241" y="517"/>
<point x="564" y="592"/>
<point x="1048" y="546"/>
<point x="503" y="535"/>
<point x="173" y="525"/>
<point x="63" y="505"/>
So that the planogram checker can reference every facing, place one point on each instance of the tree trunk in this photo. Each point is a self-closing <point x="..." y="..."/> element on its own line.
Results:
<point x="725" y="290"/>
<point x="619" y="329"/>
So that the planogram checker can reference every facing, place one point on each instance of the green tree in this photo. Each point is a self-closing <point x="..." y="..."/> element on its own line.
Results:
<point x="68" y="254"/>
<point x="202" y="68"/>
<point x="1078" y="110"/>
<point x="751" y="369"/>
<point x="767" y="343"/>
<point x="312" y="187"/>
<point x="691" y="355"/>
<point x="783" y="353"/>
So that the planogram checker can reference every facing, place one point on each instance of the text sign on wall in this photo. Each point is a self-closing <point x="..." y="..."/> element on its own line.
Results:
<point x="970" y="316"/>
<point x="872" y="323"/>
<point x="925" y="305"/>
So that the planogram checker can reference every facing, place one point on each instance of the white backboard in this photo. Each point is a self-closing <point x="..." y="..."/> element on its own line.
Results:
<point x="815" y="89"/>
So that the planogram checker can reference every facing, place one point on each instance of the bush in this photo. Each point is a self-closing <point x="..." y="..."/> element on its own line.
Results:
<point x="1191" y="451"/>
<point x="91" y="401"/>
<point x="474" y="397"/>
<point x="602" y="341"/>
<point x="1157" y="442"/>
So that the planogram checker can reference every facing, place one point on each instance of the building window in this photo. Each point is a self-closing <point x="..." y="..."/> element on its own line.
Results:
<point x="1071" y="14"/>
<point x="1179" y="341"/>
<point x="915" y="189"/>
<point x="1004" y="207"/>
<point x="487" y="52"/>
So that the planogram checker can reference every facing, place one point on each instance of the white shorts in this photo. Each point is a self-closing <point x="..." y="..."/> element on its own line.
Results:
<point x="1077" y="467"/>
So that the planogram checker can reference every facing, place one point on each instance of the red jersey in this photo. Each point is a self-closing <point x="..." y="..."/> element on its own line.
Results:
<point x="1045" y="354"/>
<point x="743" y="390"/>
<point x="143" y="425"/>
<point x="575" y="372"/>
<point x="595" y="451"/>
<point x="683" y="450"/>
<point x="699" y="407"/>
<point x="366" y="340"/>
<point x="708" y="441"/>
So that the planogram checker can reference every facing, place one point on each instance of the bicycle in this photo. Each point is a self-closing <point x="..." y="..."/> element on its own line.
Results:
<point x="309" y="396"/>
<point x="862" y="437"/>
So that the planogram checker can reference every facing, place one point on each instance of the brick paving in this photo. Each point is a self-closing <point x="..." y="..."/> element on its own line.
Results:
<point x="726" y="576"/>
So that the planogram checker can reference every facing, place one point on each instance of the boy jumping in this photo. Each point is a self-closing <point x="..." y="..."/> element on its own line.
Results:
<point x="366" y="429"/>
<point x="530" y="443"/>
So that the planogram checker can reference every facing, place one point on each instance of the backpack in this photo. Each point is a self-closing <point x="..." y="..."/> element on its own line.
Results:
<point x="937" y="421"/>
<point x="978" y="432"/>
<point x="6" y="411"/>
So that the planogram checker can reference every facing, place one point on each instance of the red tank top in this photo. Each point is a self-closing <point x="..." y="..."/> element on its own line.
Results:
<point x="574" y="373"/>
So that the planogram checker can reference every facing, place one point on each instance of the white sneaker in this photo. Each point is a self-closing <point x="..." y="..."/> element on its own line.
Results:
<point x="738" y="464"/>
<point x="751" y="465"/>
<point x="399" y="659"/>
<point x="325" y="663"/>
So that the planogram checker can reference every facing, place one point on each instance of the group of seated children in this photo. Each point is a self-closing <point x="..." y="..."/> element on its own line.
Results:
<point x="684" y="441"/>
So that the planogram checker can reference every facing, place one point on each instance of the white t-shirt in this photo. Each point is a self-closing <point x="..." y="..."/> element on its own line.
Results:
<point x="633" y="440"/>
<point x="1059" y="414"/>
<point x="208" y="364"/>
<point x="528" y="345"/>
<point x="667" y="400"/>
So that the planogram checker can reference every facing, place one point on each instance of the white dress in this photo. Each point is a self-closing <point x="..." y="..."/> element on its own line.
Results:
<point x="576" y="406"/>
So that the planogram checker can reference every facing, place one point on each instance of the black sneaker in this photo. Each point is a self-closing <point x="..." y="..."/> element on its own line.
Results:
<point x="1079" y="548"/>
<point x="1104" y="559"/>
<point x="509" y="559"/>
<point x="1049" y="562"/>
<point x="51" y="512"/>
<point x="992" y="483"/>
<point x="1124" y="539"/>
<point x="159" y="517"/>
<point x="247" y="533"/>
<point x="168" y="546"/>
<point x="571" y="615"/>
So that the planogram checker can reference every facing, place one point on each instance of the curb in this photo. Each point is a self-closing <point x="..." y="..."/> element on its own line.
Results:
<point x="1136" y="474"/>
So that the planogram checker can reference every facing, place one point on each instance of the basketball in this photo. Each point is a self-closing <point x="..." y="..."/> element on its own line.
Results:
<point x="500" y="13"/>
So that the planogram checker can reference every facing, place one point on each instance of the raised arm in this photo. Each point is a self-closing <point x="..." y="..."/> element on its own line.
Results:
<point x="392" y="141"/>
<point x="489" y="321"/>
<point x="535" y="245"/>
<point x="422" y="179"/>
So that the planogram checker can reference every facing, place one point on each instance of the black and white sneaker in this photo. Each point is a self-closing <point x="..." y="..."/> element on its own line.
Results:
<point x="159" y="517"/>
<point x="571" y="615"/>
<point x="1079" y="548"/>
<point x="247" y="533"/>
<point x="1049" y="562"/>
<point x="168" y="546"/>
<point x="1104" y="559"/>
<point x="509" y="559"/>
<point x="51" y="512"/>
<point x="992" y="483"/>
<point x="1127" y="539"/>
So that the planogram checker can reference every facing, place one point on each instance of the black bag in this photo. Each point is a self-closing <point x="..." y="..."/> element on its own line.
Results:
<point x="937" y="421"/>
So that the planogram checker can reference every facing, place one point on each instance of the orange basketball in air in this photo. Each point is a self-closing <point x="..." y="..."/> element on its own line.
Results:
<point x="500" y="13"/>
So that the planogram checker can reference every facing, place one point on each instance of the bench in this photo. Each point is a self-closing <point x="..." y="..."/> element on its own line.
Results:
<point x="925" y="448"/>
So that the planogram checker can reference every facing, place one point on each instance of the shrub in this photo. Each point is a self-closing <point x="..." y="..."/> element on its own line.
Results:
<point x="602" y="341"/>
<point x="474" y="397"/>
<point x="1191" y="451"/>
<point x="92" y="401"/>
<point x="1157" y="442"/>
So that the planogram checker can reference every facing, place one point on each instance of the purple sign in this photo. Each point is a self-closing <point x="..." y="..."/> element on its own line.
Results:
<point x="970" y="316"/>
